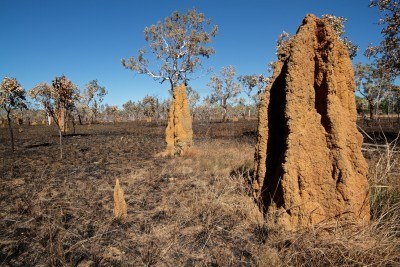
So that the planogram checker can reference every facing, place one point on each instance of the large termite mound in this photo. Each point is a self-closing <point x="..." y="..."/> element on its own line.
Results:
<point x="179" y="131"/>
<point x="309" y="166"/>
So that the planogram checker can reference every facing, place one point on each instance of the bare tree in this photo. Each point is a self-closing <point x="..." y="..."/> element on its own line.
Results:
<point x="12" y="96"/>
<point x="224" y="88"/>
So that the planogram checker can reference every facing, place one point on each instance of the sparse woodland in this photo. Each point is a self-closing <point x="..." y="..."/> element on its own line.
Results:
<point x="86" y="183"/>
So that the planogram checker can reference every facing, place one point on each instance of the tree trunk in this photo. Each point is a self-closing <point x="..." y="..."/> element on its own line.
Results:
<point x="94" y="117"/>
<point x="225" y="114"/>
<point x="57" y="120"/>
<point x="371" y="111"/>
<point x="73" y="122"/>
<point x="11" y="131"/>
<point x="80" y="119"/>
<point x="61" y="150"/>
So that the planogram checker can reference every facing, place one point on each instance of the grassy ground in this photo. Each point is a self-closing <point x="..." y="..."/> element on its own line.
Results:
<point x="190" y="211"/>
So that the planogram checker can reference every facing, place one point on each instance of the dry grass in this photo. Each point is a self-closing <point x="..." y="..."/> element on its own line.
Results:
<point x="206" y="215"/>
<point x="189" y="211"/>
<point x="218" y="224"/>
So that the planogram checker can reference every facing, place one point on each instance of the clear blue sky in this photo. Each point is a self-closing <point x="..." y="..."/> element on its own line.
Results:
<point x="86" y="39"/>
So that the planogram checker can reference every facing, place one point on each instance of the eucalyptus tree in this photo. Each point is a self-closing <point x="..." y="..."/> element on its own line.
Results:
<point x="178" y="43"/>
<point x="149" y="105"/>
<point x="193" y="98"/>
<point x="94" y="96"/>
<point x="388" y="51"/>
<point x="131" y="109"/>
<point x="12" y="96"/>
<point x="206" y="109"/>
<point x="224" y="88"/>
<point x="250" y="82"/>
<point x="112" y="112"/>
<point x="163" y="108"/>
<point x="374" y="83"/>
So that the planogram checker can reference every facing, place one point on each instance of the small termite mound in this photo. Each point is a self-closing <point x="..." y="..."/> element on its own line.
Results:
<point x="120" y="208"/>
<point x="309" y="169"/>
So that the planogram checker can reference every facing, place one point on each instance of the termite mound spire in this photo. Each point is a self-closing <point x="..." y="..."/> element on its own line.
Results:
<point x="309" y="168"/>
